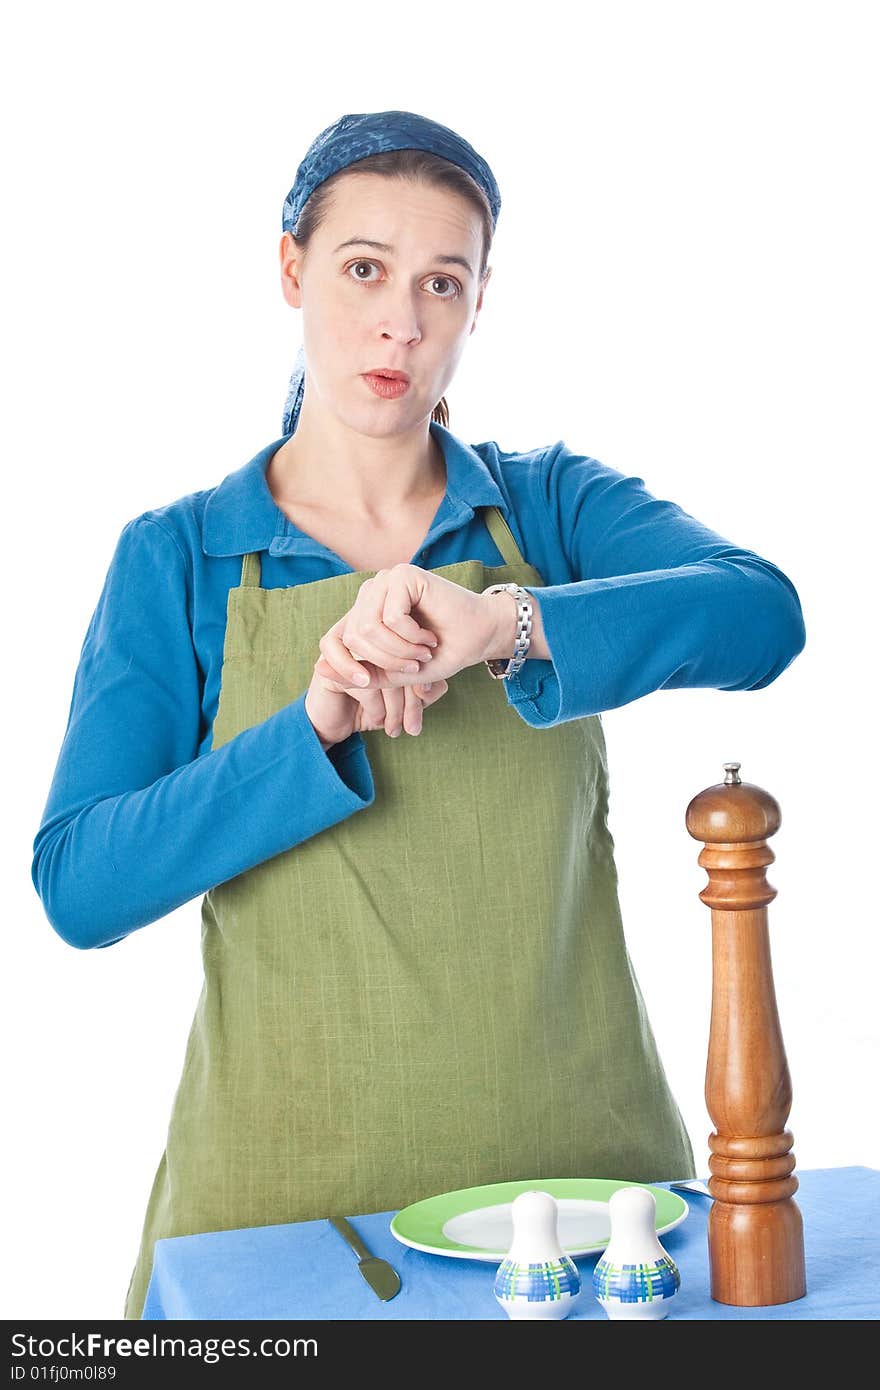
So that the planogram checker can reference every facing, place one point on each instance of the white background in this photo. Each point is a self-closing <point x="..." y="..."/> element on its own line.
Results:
<point x="685" y="286"/>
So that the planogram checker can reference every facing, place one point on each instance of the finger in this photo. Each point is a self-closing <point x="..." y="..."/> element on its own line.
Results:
<point x="383" y="614"/>
<point x="395" y="708"/>
<point x="418" y="698"/>
<point x="381" y="628"/>
<point x="411" y="714"/>
<point x="367" y="638"/>
<point x="347" y="668"/>
<point x="429" y="694"/>
<point x="405" y="625"/>
<point x="373" y="704"/>
<point x="372" y="707"/>
<point x="330" y="676"/>
<point x="371" y="700"/>
<point x="379" y="678"/>
<point x="340" y="655"/>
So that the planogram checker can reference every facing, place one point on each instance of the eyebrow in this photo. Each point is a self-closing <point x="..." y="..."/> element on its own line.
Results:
<point x="383" y="246"/>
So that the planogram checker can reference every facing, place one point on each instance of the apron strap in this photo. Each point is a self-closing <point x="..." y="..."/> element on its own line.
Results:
<point x="503" y="537"/>
<point x="251" y="576"/>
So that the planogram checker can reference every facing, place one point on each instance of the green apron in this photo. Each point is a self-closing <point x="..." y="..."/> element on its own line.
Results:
<point x="431" y="994"/>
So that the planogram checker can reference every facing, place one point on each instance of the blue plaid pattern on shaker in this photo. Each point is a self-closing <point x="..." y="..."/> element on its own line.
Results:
<point x="539" y="1282"/>
<point x="636" y="1283"/>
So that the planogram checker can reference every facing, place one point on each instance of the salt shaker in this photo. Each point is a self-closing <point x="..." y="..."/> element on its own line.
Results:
<point x="634" y="1277"/>
<point x="536" y="1279"/>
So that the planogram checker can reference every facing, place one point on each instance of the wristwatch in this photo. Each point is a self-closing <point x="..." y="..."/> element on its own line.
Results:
<point x="498" y="669"/>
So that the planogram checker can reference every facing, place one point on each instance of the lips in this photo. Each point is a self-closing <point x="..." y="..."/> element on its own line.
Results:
<point x="388" y="385"/>
<point x="387" y="372"/>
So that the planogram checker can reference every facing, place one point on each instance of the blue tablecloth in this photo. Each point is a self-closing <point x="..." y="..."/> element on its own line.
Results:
<point x="305" y="1270"/>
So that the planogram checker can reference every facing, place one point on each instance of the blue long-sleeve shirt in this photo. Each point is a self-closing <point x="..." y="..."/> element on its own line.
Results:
<point x="143" y="815"/>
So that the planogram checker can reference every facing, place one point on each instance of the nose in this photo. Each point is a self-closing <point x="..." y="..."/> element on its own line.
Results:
<point x="401" y="323"/>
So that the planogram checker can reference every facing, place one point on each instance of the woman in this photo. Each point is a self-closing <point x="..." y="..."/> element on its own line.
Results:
<point x="415" y="971"/>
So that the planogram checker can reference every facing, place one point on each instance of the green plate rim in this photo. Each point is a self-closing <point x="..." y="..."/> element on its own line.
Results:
<point x="420" y="1224"/>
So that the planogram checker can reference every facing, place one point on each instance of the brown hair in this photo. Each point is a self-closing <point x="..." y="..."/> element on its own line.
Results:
<point x="404" y="164"/>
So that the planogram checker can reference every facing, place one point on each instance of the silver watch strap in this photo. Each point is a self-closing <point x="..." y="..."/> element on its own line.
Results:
<point x="500" y="669"/>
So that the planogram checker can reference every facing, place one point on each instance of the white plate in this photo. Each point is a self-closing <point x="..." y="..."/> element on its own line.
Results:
<point x="476" y="1223"/>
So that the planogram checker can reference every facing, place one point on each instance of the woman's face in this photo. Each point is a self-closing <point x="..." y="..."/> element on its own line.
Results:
<point x="399" y="304"/>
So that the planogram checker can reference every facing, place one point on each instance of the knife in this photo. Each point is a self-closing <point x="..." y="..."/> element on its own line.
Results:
<point x="692" y="1185"/>
<point x="382" y="1279"/>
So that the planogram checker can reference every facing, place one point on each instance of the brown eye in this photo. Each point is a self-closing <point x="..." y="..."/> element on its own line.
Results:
<point x="446" y="280"/>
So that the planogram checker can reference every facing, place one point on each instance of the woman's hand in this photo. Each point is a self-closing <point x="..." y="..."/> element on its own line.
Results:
<point x="335" y="713"/>
<point x="376" y="659"/>
<point x="380" y="637"/>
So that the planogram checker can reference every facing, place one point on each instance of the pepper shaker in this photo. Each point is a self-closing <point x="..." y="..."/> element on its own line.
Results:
<point x="536" y="1279"/>
<point x="634" y="1277"/>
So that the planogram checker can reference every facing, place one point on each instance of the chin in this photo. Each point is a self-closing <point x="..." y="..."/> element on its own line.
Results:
<point x="378" y="422"/>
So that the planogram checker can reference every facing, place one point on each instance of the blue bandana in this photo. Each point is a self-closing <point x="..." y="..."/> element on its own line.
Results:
<point x="355" y="137"/>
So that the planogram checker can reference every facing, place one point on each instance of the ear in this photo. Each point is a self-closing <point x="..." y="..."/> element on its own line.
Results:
<point x="479" y="304"/>
<point x="290" y="256"/>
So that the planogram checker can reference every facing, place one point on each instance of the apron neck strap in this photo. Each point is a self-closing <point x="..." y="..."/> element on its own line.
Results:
<point x="250" y="571"/>
<point x="503" y="537"/>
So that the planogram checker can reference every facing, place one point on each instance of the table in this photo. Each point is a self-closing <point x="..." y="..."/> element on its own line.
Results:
<point x="304" y="1270"/>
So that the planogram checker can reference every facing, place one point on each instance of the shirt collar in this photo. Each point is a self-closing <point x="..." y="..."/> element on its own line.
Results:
<point x="241" y="514"/>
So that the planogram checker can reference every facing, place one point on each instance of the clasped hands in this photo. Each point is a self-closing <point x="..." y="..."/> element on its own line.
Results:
<point x="392" y="653"/>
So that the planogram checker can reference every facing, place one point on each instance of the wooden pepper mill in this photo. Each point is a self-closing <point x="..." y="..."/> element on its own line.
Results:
<point x="756" y="1238"/>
